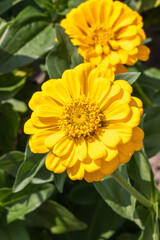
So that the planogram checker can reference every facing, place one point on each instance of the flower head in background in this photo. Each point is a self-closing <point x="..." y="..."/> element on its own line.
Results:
<point x="108" y="33"/>
<point x="86" y="121"/>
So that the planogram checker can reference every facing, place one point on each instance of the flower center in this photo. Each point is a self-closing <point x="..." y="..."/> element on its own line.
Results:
<point x="80" y="118"/>
<point x="100" y="35"/>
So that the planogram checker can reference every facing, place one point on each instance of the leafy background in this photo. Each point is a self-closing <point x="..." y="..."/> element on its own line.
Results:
<point x="36" y="204"/>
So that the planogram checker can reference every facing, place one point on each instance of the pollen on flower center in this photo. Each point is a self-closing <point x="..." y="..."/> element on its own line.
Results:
<point x="100" y="35"/>
<point x="80" y="118"/>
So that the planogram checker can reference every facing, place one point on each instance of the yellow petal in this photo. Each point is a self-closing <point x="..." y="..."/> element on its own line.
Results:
<point x="126" y="44"/>
<point x="76" y="172"/>
<point x="114" y="58"/>
<point x="100" y="89"/>
<point x="105" y="10"/>
<point x="120" y="69"/>
<point x="47" y="111"/>
<point x="56" y="89"/>
<point x="109" y="138"/>
<point x="125" y="19"/>
<point x="123" y="130"/>
<point x="125" y="85"/>
<point x="44" y="122"/>
<point x="137" y="103"/>
<point x="117" y="110"/>
<point x="76" y="17"/>
<point x="82" y="149"/>
<point x="111" y="153"/>
<point x="127" y="31"/>
<point x="63" y="146"/>
<point x="137" y="138"/>
<point x="112" y="96"/>
<point x="36" y="141"/>
<point x="116" y="11"/>
<point x="96" y="149"/>
<point x="125" y="152"/>
<point x="123" y="55"/>
<point x="143" y="53"/>
<point x="108" y="168"/>
<point x="39" y="98"/>
<point x="134" y="118"/>
<point x="54" y="163"/>
<point x="29" y="128"/>
<point x="83" y="71"/>
<point x="51" y="140"/>
<point x="70" y="159"/>
<point x="72" y="81"/>
<point x="94" y="176"/>
<point x="91" y="165"/>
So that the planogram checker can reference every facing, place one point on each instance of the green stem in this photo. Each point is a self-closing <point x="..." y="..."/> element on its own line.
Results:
<point x="143" y="95"/>
<point x="121" y="180"/>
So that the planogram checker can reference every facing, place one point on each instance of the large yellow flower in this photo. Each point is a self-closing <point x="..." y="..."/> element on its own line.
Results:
<point x="108" y="33"/>
<point x="86" y="121"/>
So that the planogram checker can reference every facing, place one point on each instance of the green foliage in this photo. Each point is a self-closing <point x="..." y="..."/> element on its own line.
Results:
<point x="150" y="86"/>
<point x="29" y="27"/>
<point x="14" y="231"/>
<point x="56" y="218"/>
<point x="31" y="165"/>
<point x="63" y="56"/>
<point x="130" y="77"/>
<point x="36" y="204"/>
<point x="118" y="198"/>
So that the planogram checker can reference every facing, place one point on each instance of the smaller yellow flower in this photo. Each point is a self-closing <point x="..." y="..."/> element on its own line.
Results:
<point x="86" y="121"/>
<point x="108" y="33"/>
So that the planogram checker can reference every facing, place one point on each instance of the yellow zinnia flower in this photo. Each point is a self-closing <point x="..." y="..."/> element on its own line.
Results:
<point x="86" y="121"/>
<point x="108" y="33"/>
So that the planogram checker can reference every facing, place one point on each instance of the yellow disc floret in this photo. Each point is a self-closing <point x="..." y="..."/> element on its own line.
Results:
<point x="80" y="118"/>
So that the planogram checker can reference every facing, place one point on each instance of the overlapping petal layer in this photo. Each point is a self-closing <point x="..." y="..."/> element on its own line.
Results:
<point x="107" y="32"/>
<point x="86" y="121"/>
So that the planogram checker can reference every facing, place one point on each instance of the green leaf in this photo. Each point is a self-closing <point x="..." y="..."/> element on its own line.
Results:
<point x="18" y="106"/>
<point x="10" y="122"/>
<point x="83" y="194"/>
<point x="28" y="169"/>
<point x="47" y="4"/>
<point x="130" y="77"/>
<point x="10" y="162"/>
<point x="43" y="176"/>
<point x="140" y="171"/>
<point x="14" y="231"/>
<point x="74" y="3"/>
<point x="56" y="218"/>
<point x="4" y="192"/>
<point x="35" y="37"/>
<point x="56" y="62"/>
<point x="3" y="26"/>
<point x="104" y="222"/>
<point x="152" y="131"/>
<point x="59" y="180"/>
<point x="151" y="230"/>
<point x="148" y="4"/>
<point x="118" y="198"/>
<point x="63" y="56"/>
<point x="27" y="200"/>
<point x="153" y="73"/>
<point x="11" y="83"/>
<point x="3" y="179"/>
<point x="6" y="4"/>
<point x="150" y="84"/>
<point x="127" y="236"/>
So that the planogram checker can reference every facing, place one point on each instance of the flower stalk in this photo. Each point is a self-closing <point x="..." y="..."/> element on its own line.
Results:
<point x="121" y="180"/>
<point x="143" y="95"/>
